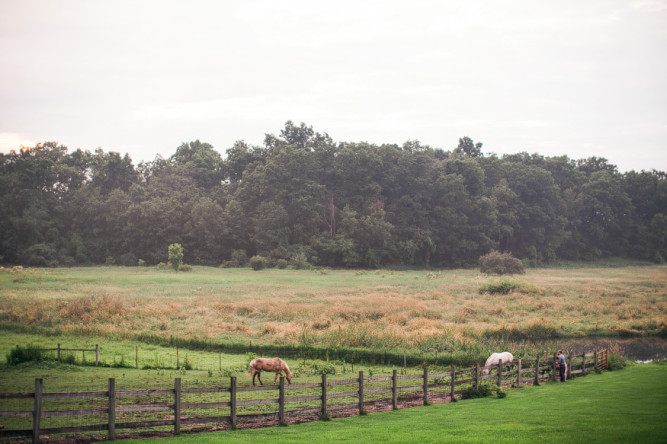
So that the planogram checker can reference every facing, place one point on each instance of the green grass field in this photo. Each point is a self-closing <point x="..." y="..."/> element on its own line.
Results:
<point x="625" y="406"/>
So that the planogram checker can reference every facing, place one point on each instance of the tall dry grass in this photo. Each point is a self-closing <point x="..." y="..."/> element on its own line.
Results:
<point x="377" y="310"/>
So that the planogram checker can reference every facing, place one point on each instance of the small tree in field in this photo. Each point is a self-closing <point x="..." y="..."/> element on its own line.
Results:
<point x="175" y="256"/>
<point x="500" y="263"/>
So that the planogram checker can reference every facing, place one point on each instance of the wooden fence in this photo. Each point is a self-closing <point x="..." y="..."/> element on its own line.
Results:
<point x="58" y="350"/>
<point x="316" y="398"/>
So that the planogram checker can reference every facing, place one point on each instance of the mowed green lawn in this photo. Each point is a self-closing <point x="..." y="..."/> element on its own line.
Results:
<point x="626" y="406"/>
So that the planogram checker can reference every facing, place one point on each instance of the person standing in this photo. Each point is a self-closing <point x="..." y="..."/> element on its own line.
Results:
<point x="562" y="366"/>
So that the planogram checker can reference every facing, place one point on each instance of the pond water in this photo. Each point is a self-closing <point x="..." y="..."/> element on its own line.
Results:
<point x="634" y="349"/>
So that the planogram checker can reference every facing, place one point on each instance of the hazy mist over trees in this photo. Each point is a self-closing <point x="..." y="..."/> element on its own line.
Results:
<point x="303" y="197"/>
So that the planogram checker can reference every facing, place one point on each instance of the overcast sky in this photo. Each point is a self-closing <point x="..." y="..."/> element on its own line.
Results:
<point x="581" y="78"/>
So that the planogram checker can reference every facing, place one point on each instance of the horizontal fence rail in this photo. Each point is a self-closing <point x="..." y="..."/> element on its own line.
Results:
<point x="166" y="407"/>
<point x="59" y="350"/>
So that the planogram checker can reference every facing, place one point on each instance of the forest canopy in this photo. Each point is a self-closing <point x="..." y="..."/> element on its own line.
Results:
<point x="303" y="198"/>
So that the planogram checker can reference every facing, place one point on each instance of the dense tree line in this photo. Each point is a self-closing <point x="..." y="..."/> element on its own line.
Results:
<point x="301" y="197"/>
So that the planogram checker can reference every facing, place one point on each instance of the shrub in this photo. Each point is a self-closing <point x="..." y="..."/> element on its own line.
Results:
<point x="184" y="267"/>
<point x="500" y="263"/>
<point x="316" y="367"/>
<point x="501" y="393"/>
<point x="175" y="256"/>
<point x="483" y="391"/>
<point x="109" y="261"/>
<point x="40" y="255"/>
<point x="29" y="353"/>
<point x="240" y="257"/>
<point x="128" y="259"/>
<point x="281" y="264"/>
<point x="299" y="261"/>
<point x="257" y="262"/>
<point x="249" y="357"/>
<point x="615" y="361"/>
<point x="506" y="286"/>
<point x="141" y="263"/>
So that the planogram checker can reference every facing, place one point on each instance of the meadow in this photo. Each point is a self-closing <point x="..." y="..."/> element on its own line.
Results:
<point x="618" y="406"/>
<point x="138" y="315"/>
<point x="420" y="311"/>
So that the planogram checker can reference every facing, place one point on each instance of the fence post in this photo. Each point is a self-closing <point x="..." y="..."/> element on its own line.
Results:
<point x="281" y="401"/>
<point x="453" y="381"/>
<point x="394" y="391"/>
<point x="518" y="373"/>
<point x="177" y="406"/>
<point x="583" y="363"/>
<point x="232" y="402"/>
<point x="112" y="409"/>
<point x="37" y="412"/>
<point x="595" y="360"/>
<point x="97" y="354"/>
<point x="58" y="352"/>
<point x="537" y="369"/>
<point x="606" y="359"/>
<point x="569" y="367"/>
<point x="553" y="371"/>
<point x="500" y="373"/>
<point x="476" y="375"/>
<point x="361" y="392"/>
<point x="323" y="413"/>
<point x="425" y="385"/>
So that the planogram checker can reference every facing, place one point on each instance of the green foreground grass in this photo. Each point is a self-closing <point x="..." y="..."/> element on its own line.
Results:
<point x="626" y="406"/>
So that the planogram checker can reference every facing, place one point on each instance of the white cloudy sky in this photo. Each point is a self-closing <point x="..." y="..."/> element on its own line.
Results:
<point x="582" y="78"/>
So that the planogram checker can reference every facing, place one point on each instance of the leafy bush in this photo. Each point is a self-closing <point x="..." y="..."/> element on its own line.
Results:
<point x="175" y="256"/>
<point x="500" y="263"/>
<point x="299" y="261"/>
<point x="257" y="262"/>
<point x="40" y="255"/>
<point x="239" y="258"/>
<point x="281" y="264"/>
<point x="483" y="391"/>
<point x="29" y="353"/>
<point x="615" y="361"/>
<point x="506" y="286"/>
<point x="249" y="357"/>
<point x="184" y="267"/>
<point x="109" y="261"/>
<point x="500" y="393"/>
<point x="316" y="367"/>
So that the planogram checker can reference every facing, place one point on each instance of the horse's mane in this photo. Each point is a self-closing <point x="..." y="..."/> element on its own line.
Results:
<point x="286" y="368"/>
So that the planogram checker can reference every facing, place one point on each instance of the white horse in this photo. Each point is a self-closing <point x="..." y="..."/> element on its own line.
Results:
<point x="495" y="358"/>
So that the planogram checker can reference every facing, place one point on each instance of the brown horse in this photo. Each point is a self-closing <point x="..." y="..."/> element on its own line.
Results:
<point x="276" y="365"/>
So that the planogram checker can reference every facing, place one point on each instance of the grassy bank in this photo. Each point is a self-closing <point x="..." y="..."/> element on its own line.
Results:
<point x="621" y="406"/>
